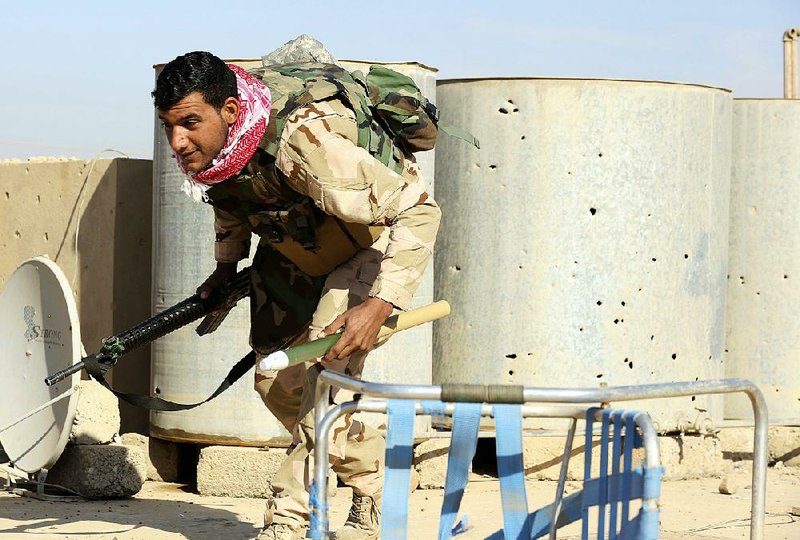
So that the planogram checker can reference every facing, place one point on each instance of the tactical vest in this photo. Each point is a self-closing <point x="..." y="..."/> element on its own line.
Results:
<point x="315" y="241"/>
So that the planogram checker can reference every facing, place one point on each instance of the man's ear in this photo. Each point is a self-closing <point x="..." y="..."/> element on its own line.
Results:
<point x="230" y="110"/>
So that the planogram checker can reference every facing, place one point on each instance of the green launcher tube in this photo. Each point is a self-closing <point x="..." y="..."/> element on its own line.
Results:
<point x="312" y="350"/>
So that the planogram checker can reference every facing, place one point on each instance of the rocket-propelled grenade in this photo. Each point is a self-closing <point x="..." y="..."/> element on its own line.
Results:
<point x="320" y="347"/>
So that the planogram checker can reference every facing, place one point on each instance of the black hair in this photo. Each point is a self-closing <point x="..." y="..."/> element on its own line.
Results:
<point x="197" y="71"/>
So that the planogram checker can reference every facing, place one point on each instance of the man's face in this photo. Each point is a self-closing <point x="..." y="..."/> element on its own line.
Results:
<point x="197" y="131"/>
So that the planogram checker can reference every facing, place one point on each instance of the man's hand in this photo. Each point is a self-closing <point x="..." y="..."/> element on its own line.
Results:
<point x="222" y="272"/>
<point x="361" y="326"/>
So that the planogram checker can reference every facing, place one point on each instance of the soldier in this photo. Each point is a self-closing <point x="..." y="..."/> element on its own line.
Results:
<point x="345" y="233"/>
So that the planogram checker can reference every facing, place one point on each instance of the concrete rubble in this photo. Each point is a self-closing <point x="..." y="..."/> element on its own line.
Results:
<point x="101" y="471"/>
<point x="94" y="463"/>
<point x="97" y="419"/>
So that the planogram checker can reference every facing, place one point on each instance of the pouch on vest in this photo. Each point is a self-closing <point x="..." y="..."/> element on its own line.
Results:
<point x="316" y="242"/>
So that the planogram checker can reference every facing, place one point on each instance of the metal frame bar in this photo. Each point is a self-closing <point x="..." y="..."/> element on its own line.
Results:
<point x="324" y="419"/>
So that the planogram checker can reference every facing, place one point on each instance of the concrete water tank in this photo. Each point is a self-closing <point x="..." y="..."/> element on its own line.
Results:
<point x="187" y="368"/>
<point x="585" y="243"/>
<point x="763" y="329"/>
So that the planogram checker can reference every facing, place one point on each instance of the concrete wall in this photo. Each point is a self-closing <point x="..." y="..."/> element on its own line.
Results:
<point x="44" y="203"/>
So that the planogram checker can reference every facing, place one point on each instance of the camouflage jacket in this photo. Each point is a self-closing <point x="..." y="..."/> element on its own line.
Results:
<point x="324" y="171"/>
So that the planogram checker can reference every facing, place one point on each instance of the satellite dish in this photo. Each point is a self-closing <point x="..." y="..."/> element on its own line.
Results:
<point x="39" y="335"/>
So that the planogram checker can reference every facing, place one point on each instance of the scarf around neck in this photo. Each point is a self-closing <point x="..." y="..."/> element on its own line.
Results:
<point x="243" y="138"/>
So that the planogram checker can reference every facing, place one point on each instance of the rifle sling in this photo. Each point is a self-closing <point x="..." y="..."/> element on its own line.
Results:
<point x="153" y="403"/>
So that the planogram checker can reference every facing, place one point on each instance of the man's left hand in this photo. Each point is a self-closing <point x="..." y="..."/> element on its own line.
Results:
<point x="361" y="326"/>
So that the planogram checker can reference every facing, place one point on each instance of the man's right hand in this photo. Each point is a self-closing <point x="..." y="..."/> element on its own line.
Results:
<point x="220" y="274"/>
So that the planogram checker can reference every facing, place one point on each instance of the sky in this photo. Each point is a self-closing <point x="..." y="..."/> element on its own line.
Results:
<point x="78" y="74"/>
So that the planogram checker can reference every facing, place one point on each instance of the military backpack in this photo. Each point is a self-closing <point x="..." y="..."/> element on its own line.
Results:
<point x="394" y="119"/>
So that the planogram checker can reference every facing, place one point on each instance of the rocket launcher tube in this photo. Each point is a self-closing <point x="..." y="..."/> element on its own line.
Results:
<point x="306" y="352"/>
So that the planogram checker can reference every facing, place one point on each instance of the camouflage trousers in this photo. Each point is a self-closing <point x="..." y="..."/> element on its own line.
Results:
<point x="356" y="450"/>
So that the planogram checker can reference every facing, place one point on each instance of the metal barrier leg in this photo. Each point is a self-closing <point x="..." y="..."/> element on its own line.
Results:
<point x="320" y="527"/>
<point x="562" y="475"/>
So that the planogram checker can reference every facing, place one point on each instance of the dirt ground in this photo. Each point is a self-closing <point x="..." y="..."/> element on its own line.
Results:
<point x="690" y="509"/>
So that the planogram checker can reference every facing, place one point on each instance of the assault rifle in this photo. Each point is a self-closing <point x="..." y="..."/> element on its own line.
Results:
<point x="215" y="308"/>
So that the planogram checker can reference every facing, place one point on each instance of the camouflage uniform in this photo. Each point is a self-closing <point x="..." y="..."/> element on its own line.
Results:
<point x="319" y="158"/>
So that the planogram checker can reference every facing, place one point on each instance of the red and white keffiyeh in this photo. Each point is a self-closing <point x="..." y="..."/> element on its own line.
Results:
<point x="243" y="136"/>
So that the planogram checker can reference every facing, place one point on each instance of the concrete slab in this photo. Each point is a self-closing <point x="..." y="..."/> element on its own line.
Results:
<point x="234" y="471"/>
<point x="691" y="456"/>
<point x="161" y="457"/>
<point x="430" y="461"/>
<point x="238" y="471"/>
<point x="784" y="444"/>
<point x="100" y="471"/>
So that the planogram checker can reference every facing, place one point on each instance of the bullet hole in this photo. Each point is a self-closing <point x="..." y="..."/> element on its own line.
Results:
<point x="457" y="268"/>
<point x="758" y="293"/>
<point x="522" y="138"/>
<point x="158" y="390"/>
<point x="693" y="398"/>
<point x="599" y="303"/>
<point x="580" y="329"/>
<point x="569" y="173"/>
<point x="616" y="321"/>
<point x="46" y="237"/>
<point x="653" y="259"/>
<point x="511" y="356"/>
<point x="493" y="167"/>
<point x="651" y="338"/>
<point x="600" y="154"/>
<point x="622" y="303"/>
<point x="674" y="356"/>
<point x="630" y="364"/>
<point x="640" y="289"/>
<point x="593" y="211"/>
<point x="503" y="110"/>
<point x="685" y="255"/>
<point x="38" y="199"/>
<point x="599" y="376"/>
<point x="520" y="267"/>
<point x="510" y="372"/>
<point x="785" y="276"/>
<point x="741" y="280"/>
<point x="576" y="262"/>
<point x="8" y="195"/>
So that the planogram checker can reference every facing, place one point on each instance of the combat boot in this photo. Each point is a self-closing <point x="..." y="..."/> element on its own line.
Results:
<point x="364" y="520"/>
<point x="281" y="531"/>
